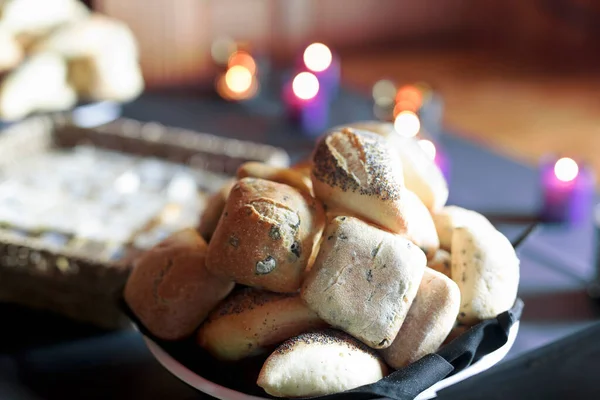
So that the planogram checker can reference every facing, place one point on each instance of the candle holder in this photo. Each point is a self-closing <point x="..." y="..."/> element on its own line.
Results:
<point x="568" y="192"/>
<point x="305" y="103"/>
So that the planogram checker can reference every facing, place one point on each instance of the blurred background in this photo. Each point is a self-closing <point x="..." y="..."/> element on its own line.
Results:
<point x="120" y="119"/>
<point x="521" y="76"/>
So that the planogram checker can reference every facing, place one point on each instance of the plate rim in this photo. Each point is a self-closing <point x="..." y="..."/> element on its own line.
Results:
<point x="211" y="388"/>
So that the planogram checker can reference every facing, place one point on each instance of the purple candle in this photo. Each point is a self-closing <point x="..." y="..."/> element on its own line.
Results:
<point x="305" y="103"/>
<point x="567" y="192"/>
<point x="320" y="61"/>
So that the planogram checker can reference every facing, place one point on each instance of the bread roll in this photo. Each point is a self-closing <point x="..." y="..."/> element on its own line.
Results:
<point x="354" y="170"/>
<point x="441" y="262"/>
<point x="421" y="175"/>
<point x="428" y="322"/>
<point x="303" y="166"/>
<point x="288" y="176"/>
<point x="214" y="208"/>
<point x="486" y="269"/>
<point x="47" y="73"/>
<point x="29" y="20"/>
<point x="251" y="321"/>
<point x="266" y="236"/>
<point x="11" y="52"/>
<point x="451" y="217"/>
<point x="364" y="280"/>
<point x="420" y="228"/>
<point x="320" y="363"/>
<point x="170" y="290"/>
<point x="103" y="58"/>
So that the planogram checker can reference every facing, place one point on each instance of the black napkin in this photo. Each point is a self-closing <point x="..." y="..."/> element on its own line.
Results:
<point x="403" y="384"/>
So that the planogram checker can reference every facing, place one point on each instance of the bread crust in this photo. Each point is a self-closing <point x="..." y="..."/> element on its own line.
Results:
<point x="320" y="363"/>
<point x="354" y="171"/>
<point x="170" y="290"/>
<point x="428" y="322"/>
<point x="251" y="321"/>
<point x="267" y="235"/>
<point x="364" y="280"/>
<point x="486" y="270"/>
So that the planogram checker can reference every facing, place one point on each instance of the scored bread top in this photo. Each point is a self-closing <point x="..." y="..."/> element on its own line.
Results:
<point x="357" y="161"/>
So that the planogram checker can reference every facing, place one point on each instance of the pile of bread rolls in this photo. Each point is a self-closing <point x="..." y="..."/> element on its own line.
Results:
<point x="54" y="53"/>
<point x="344" y="267"/>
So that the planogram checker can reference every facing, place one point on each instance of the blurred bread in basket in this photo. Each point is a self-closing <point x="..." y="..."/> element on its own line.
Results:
<point x="334" y="254"/>
<point x="99" y="54"/>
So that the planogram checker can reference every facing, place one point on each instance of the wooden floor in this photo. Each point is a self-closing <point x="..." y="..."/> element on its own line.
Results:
<point x="521" y="110"/>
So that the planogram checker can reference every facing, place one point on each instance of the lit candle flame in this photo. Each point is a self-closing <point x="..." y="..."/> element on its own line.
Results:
<point x="317" y="57"/>
<point x="428" y="147"/>
<point x="238" y="79"/>
<point x="244" y="59"/>
<point x="566" y="169"/>
<point x="305" y="86"/>
<point x="410" y="95"/>
<point x="407" y="124"/>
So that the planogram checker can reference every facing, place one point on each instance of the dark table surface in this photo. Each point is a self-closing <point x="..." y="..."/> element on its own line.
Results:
<point x="43" y="356"/>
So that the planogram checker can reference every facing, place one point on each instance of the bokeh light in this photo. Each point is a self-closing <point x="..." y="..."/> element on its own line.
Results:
<point x="428" y="147"/>
<point x="566" y="169"/>
<point x="221" y="49"/>
<point x="305" y="86"/>
<point x="238" y="79"/>
<point x="407" y="124"/>
<point x="410" y="96"/>
<point x="244" y="59"/>
<point x="317" y="57"/>
<point x="384" y="92"/>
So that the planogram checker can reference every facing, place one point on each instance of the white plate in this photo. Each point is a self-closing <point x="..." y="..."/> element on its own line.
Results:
<point x="223" y="393"/>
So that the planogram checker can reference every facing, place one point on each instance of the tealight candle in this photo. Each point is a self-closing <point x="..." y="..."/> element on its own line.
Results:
<point x="320" y="61"/>
<point x="305" y="103"/>
<point x="567" y="191"/>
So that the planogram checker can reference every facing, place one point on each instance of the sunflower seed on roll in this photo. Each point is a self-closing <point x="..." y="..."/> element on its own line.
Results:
<point x="364" y="280"/>
<point x="428" y="322"/>
<point x="251" y="320"/>
<point x="355" y="171"/>
<point x="320" y="363"/>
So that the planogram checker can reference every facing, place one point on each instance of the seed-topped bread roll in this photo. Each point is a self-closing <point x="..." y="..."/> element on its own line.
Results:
<point x="420" y="228"/>
<point x="251" y="321"/>
<point x="354" y="170"/>
<point x="441" y="262"/>
<point x="364" y="280"/>
<point x="170" y="290"/>
<point x="486" y="269"/>
<point x="288" y="176"/>
<point x="214" y="208"/>
<point x="428" y="322"/>
<point x="320" y="363"/>
<point x="451" y="217"/>
<point x="266" y="236"/>
<point x="421" y="175"/>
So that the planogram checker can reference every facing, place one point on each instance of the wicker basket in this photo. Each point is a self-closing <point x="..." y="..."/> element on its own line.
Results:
<point x="78" y="285"/>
